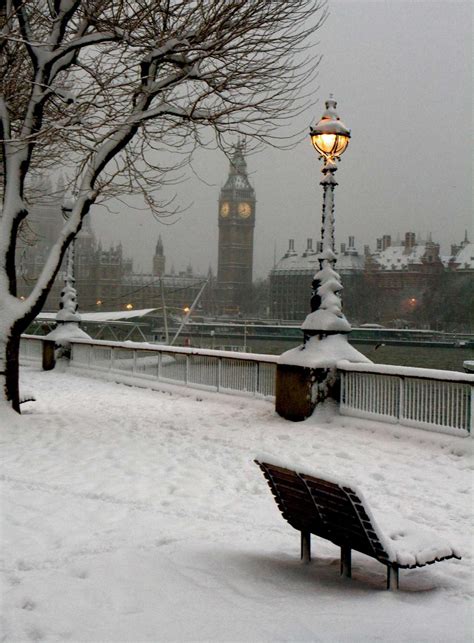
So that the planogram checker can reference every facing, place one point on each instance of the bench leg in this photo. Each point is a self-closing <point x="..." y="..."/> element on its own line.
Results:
<point x="306" y="546"/>
<point x="346" y="562"/>
<point x="392" y="578"/>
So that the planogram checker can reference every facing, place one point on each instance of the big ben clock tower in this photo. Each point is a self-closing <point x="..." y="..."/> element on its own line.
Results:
<point x="236" y="224"/>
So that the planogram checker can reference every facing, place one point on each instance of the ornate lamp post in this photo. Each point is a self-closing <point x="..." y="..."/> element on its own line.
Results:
<point x="68" y="302"/>
<point x="330" y="138"/>
<point x="307" y="374"/>
<point x="67" y="317"/>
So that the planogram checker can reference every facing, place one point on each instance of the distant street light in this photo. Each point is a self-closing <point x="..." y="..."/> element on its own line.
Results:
<point x="330" y="138"/>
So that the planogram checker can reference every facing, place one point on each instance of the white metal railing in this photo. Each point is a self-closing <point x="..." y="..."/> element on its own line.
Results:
<point x="424" y="398"/>
<point x="221" y="371"/>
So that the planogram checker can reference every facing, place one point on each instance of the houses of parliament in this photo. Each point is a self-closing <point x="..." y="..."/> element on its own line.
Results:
<point x="105" y="277"/>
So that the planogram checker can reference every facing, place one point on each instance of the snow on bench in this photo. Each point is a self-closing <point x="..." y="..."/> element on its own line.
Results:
<point x="339" y="513"/>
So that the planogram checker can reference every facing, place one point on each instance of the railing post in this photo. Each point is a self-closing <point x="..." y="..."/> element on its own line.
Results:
<point x="160" y="356"/>
<point x="401" y="399"/>
<point x="341" y="390"/>
<point x="134" y="367"/>
<point x="112" y="358"/>
<point x="186" y="369"/>
<point x="471" y="420"/>
<point x="257" y="377"/>
<point x="219" y="373"/>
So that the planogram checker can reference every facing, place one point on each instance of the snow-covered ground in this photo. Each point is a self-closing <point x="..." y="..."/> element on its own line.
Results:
<point x="137" y="515"/>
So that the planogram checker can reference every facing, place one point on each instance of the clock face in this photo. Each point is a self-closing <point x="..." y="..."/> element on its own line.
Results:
<point x="245" y="210"/>
<point x="225" y="209"/>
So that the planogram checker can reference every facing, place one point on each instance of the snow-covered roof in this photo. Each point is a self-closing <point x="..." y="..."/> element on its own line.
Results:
<point x="464" y="259"/>
<point x="396" y="257"/>
<point x="292" y="262"/>
<point x="297" y="263"/>
<point x="350" y="262"/>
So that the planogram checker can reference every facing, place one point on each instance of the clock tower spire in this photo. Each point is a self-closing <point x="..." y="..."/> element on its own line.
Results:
<point x="236" y="225"/>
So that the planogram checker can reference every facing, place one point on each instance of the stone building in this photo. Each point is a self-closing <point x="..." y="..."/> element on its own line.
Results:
<point x="400" y="275"/>
<point x="105" y="278"/>
<point x="291" y="277"/>
<point x="403" y="282"/>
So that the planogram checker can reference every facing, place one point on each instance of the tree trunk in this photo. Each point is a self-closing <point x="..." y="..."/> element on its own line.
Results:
<point x="11" y="370"/>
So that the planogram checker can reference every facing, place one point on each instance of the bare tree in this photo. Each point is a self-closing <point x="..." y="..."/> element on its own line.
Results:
<point x="101" y="87"/>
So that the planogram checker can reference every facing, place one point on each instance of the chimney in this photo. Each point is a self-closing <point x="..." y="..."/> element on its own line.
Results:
<point x="291" y="248"/>
<point x="343" y="248"/>
<point x="379" y="245"/>
<point x="386" y="241"/>
<point x="367" y="250"/>
<point x="351" y="242"/>
<point x="309" y="248"/>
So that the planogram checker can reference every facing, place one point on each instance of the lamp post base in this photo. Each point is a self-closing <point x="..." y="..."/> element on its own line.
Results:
<point x="307" y="375"/>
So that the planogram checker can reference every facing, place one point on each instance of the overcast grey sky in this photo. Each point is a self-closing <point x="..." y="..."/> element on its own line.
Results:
<point x="401" y="72"/>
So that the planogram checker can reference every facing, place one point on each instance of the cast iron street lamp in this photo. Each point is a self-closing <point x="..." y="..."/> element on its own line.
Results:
<point x="330" y="138"/>
<point x="68" y="301"/>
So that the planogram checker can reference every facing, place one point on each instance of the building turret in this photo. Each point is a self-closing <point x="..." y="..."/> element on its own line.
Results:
<point x="159" y="259"/>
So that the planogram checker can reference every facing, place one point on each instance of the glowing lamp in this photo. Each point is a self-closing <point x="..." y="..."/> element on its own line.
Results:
<point x="129" y="306"/>
<point x="330" y="136"/>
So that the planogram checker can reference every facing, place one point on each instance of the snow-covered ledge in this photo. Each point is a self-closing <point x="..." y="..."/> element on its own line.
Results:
<point x="323" y="352"/>
<point x="62" y="336"/>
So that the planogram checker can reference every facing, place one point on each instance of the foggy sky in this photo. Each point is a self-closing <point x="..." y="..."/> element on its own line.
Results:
<point x="401" y="72"/>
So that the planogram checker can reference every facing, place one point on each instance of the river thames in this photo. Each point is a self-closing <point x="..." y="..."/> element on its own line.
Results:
<point x="449" y="358"/>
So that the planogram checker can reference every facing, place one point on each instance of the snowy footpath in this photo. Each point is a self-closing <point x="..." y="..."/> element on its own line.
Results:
<point x="135" y="515"/>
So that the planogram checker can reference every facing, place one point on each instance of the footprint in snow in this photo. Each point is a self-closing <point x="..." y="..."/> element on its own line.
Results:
<point x="28" y="604"/>
<point x="377" y="476"/>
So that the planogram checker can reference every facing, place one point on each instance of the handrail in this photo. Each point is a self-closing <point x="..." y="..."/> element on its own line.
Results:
<point x="406" y="371"/>
<point x="165" y="348"/>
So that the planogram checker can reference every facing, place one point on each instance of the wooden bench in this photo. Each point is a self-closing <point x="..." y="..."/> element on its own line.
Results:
<point x="339" y="513"/>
